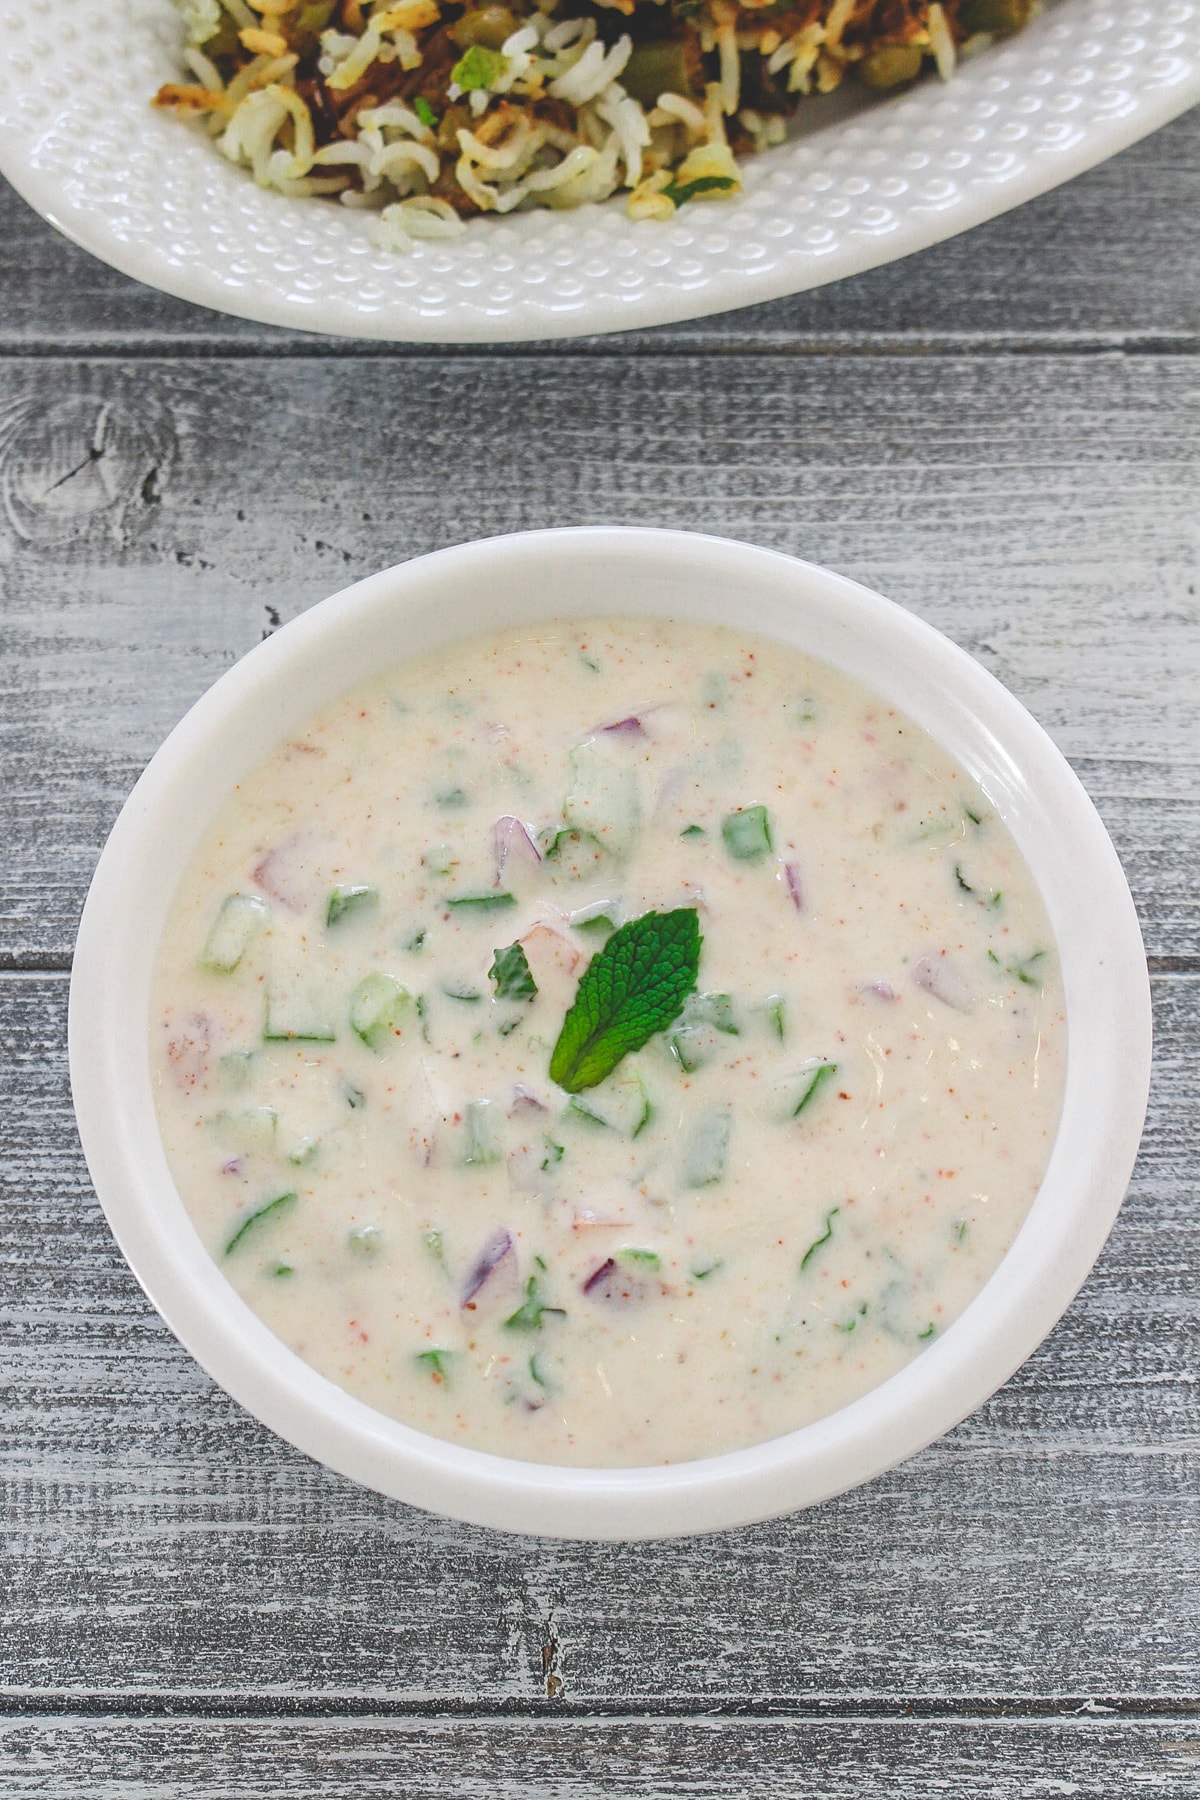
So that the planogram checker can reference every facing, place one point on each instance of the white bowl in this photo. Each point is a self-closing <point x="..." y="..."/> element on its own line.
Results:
<point x="411" y="610"/>
<point x="861" y="183"/>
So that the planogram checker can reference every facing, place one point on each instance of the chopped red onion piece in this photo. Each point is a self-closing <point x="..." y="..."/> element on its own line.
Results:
<point x="284" y="873"/>
<point x="611" y="1282"/>
<point x="511" y="835"/>
<point x="791" y="876"/>
<point x="938" y="976"/>
<point x="630" y="727"/>
<point x="493" y="1254"/>
<point x="881" y="990"/>
<point x="524" y="1100"/>
<point x="232" y="1167"/>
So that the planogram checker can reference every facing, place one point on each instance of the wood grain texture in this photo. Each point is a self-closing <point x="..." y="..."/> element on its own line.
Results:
<point x="161" y="1546"/>
<point x="157" y="518"/>
<point x="636" y="1759"/>
<point x="1106" y="260"/>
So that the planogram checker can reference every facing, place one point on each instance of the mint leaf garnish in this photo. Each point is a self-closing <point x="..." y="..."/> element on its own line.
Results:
<point x="631" y="989"/>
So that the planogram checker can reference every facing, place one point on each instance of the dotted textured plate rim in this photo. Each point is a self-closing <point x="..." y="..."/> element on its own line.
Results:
<point x="865" y="184"/>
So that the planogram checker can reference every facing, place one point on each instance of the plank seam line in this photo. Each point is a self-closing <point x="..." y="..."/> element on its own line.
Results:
<point x="254" y="1710"/>
<point x="624" y="350"/>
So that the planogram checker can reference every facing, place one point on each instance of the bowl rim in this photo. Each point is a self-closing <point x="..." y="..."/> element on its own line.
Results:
<point x="647" y="572"/>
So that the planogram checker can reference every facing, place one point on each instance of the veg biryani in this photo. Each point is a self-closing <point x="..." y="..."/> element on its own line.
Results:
<point x="428" y="111"/>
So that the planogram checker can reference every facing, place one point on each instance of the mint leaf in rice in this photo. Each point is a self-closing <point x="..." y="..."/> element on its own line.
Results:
<point x="479" y="68"/>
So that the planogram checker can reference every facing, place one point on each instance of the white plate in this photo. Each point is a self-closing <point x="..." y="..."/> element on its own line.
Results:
<point x="864" y="183"/>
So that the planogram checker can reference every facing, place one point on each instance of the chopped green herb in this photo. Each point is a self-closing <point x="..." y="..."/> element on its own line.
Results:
<point x="355" y="1098"/>
<point x="775" y="1008"/>
<point x="643" y="1259"/>
<point x="693" y="831"/>
<point x="536" y="1373"/>
<point x="819" y="1243"/>
<point x="350" y="902"/>
<point x="682" y="192"/>
<point x="630" y="990"/>
<point x="747" y="833"/>
<point x="929" y="1331"/>
<point x="281" y="1270"/>
<point x="708" y="1269"/>
<point x="480" y="903"/>
<point x="478" y="69"/>
<point x="961" y="1228"/>
<point x="425" y="113"/>
<point x="848" y="1327"/>
<point x="258" y="1218"/>
<point x="437" y="1362"/>
<point x="962" y="882"/>
<point x="512" y="975"/>
<point x="451" y="797"/>
<point x="304" y="1151"/>
<point x="416" y="943"/>
<point x="820" y="1075"/>
<point x="554" y="1155"/>
<point x="589" y="662"/>
<point x="532" y="1310"/>
<point x="1027" y="970"/>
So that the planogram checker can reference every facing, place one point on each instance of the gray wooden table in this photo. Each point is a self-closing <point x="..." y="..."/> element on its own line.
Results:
<point x="1003" y="434"/>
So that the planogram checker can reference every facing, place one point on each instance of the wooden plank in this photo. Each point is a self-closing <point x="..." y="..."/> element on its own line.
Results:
<point x="630" y="1759"/>
<point x="1108" y="259"/>
<point x="159" y="1543"/>
<point x="157" y="518"/>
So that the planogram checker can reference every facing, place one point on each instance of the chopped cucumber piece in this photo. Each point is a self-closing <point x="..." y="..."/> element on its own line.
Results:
<point x="773" y="1012"/>
<point x="303" y="1152"/>
<point x="452" y="797"/>
<point x="693" y="831"/>
<point x="797" y="1092"/>
<point x="235" y="1067"/>
<point x="350" y="903"/>
<point x="292" y="1020"/>
<point x="462" y="990"/>
<point x="237" y="924"/>
<point x="620" y="1104"/>
<point x="482" y="1144"/>
<point x="439" y="859"/>
<point x="706" y="1269"/>
<point x="251" y="1130"/>
<point x="707" y="1148"/>
<point x="365" y="1241"/>
<point x="747" y="833"/>
<point x="480" y="904"/>
<point x="435" y="1247"/>
<point x="601" y="918"/>
<point x="377" y="1006"/>
<point x="261" y="1215"/>
<point x="640" y="1259"/>
<point x="693" y="1037"/>
<point x="603" y="799"/>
